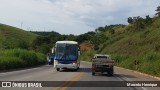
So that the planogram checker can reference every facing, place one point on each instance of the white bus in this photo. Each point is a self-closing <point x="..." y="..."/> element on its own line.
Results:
<point x="66" y="55"/>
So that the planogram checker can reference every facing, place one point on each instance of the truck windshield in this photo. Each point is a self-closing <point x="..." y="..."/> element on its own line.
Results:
<point x="66" y="52"/>
<point x="102" y="57"/>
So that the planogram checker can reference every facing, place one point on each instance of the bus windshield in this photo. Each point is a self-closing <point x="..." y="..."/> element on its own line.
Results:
<point x="66" y="52"/>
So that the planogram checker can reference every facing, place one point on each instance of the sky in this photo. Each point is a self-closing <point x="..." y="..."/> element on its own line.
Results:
<point x="72" y="16"/>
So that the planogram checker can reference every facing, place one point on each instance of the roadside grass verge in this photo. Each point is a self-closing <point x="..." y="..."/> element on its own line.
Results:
<point x="147" y="63"/>
<point x="86" y="55"/>
<point x="20" y="58"/>
<point x="142" y="46"/>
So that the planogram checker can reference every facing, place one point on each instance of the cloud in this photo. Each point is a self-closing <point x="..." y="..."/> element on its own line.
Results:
<point x="72" y="16"/>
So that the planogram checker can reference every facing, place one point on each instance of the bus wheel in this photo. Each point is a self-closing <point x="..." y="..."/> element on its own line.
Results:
<point x="58" y="69"/>
<point x="93" y="73"/>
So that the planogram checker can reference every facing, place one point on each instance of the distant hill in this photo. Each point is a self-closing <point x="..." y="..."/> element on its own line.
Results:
<point x="12" y="37"/>
<point x="46" y="33"/>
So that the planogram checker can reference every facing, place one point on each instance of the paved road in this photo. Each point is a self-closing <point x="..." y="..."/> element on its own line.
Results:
<point x="48" y="73"/>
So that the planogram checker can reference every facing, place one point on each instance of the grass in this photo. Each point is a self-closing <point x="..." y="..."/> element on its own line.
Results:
<point x="128" y="45"/>
<point x="131" y="45"/>
<point x="20" y="58"/>
<point x="15" y="49"/>
<point x="86" y="55"/>
<point x="11" y="37"/>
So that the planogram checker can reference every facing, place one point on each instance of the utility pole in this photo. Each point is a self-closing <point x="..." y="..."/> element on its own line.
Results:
<point x="21" y="24"/>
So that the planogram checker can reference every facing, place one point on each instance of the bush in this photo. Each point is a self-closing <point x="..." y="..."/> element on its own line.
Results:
<point x="151" y="56"/>
<point x="119" y="58"/>
<point x="127" y="63"/>
<point x="150" y="63"/>
<point x="86" y="55"/>
<point x="10" y="63"/>
<point x="41" y="58"/>
<point x="19" y="58"/>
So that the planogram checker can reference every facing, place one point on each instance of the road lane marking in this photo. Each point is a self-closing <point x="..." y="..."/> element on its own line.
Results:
<point x="123" y="78"/>
<point x="69" y="82"/>
<point x="144" y="88"/>
<point x="138" y="72"/>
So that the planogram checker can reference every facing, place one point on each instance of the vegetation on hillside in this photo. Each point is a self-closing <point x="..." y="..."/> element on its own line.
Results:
<point x="16" y="49"/>
<point x="135" y="46"/>
<point x="11" y="37"/>
<point x="20" y="58"/>
<point x="45" y="41"/>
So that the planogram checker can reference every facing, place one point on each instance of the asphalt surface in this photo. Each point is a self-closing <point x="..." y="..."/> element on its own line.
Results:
<point x="48" y="73"/>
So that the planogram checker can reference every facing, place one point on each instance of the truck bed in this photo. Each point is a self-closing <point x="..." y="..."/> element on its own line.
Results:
<point x="102" y="60"/>
<point x="102" y="65"/>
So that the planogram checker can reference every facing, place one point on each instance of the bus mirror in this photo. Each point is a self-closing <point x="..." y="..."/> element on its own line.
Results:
<point x="53" y="50"/>
<point x="79" y="53"/>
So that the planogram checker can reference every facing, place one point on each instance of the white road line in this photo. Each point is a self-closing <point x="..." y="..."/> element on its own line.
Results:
<point x="143" y="88"/>
<point x="127" y="79"/>
<point x="138" y="72"/>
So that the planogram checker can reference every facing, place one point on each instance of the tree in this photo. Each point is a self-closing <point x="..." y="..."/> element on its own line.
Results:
<point x="71" y="37"/>
<point x="148" y="20"/>
<point x="158" y="11"/>
<point x="41" y="44"/>
<point x="101" y="29"/>
<point x="130" y="20"/>
<point x="85" y="37"/>
<point x="138" y="22"/>
<point x="111" y="31"/>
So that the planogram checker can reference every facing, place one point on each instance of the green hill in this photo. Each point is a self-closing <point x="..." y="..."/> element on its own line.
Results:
<point x="134" y="46"/>
<point x="16" y="49"/>
<point x="137" y="49"/>
<point x="12" y="37"/>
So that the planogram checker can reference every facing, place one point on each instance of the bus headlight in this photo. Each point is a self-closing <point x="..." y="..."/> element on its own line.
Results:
<point x="56" y="62"/>
<point x="74" y="62"/>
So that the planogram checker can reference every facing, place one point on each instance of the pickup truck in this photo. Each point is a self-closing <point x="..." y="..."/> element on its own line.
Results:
<point x="102" y="63"/>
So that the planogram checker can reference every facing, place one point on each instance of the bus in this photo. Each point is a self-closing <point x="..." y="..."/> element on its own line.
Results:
<point x="66" y="55"/>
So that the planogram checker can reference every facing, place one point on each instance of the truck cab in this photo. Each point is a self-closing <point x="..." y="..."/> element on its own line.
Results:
<point x="102" y="63"/>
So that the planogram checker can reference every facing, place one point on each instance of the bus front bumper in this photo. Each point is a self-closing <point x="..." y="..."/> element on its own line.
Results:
<point x="66" y="66"/>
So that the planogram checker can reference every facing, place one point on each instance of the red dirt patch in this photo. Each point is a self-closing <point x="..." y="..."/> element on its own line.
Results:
<point x="84" y="46"/>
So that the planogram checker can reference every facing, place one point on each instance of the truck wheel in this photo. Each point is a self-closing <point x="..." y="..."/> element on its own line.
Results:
<point x="93" y="73"/>
<point x="58" y="69"/>
<point x="76" y="69"/>
<point x="110" y="72"/>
